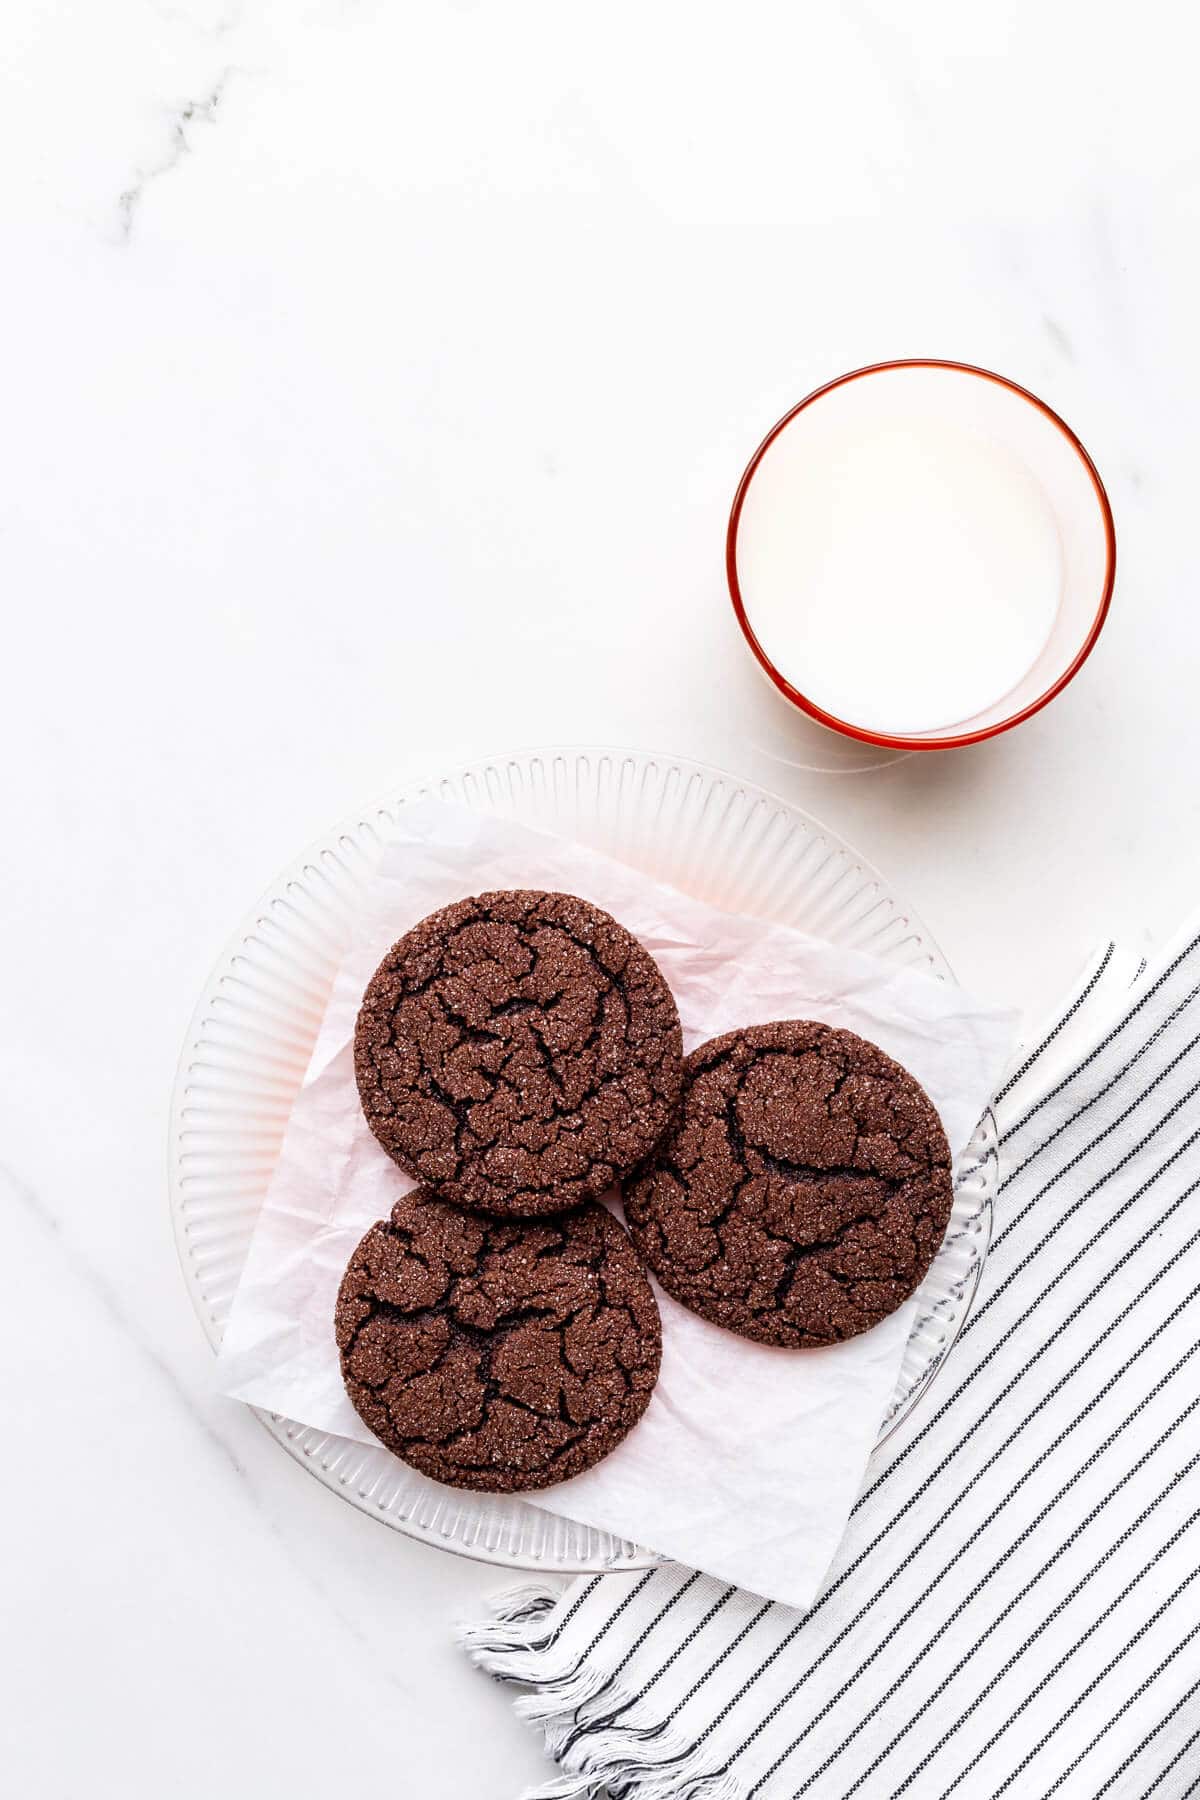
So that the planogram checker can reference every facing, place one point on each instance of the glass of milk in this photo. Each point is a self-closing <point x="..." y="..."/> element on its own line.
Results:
<point x="921" y="554"/>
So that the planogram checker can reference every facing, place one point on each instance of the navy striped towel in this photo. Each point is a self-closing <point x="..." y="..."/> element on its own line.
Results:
<point x="1015" y="1607"/>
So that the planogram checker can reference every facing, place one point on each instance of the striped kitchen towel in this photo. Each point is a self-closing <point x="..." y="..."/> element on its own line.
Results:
<point x="1015" y="1607"/>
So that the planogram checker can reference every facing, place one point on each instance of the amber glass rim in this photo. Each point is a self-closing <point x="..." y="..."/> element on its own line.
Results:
<point x="888" y="740"/>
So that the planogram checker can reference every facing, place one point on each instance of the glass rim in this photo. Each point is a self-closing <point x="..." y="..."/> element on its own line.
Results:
<point x="900" y="741"/>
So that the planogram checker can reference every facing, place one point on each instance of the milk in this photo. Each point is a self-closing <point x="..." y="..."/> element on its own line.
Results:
<point x="905" y="571"/>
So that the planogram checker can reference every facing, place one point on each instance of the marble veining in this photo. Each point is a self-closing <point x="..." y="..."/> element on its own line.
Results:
<point x="182" y="129"/>
<point x="80" y="1268"/>
<point x="215" y="21"/>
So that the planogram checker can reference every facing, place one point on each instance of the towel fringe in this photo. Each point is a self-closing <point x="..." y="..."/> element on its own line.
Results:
<point x="511" y="1634"/>
<point x="595" y="1755"/>
<point x="554" y="1696"/>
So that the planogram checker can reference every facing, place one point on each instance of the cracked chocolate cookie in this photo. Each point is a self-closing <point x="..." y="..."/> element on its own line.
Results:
<point x="519" y="1052"/>
<point x="803" y="1190"/>
<point x="497" y="1354"/>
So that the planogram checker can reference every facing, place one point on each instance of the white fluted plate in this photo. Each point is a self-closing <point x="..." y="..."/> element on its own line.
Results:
<point x="724" y="841"/>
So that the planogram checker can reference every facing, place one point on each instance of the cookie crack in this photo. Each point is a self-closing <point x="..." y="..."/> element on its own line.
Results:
<point x="722" y="1204"/>
<point x="524" y="1094"/>
<point x="561" y="1332"/>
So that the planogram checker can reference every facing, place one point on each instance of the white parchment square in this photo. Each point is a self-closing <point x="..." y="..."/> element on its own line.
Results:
<point x="748" y="1459"/>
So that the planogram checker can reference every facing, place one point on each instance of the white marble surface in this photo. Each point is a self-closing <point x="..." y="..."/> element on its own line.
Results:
<point x="377" y="376"/>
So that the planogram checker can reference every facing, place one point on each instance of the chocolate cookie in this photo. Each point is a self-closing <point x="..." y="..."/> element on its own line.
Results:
<point x="519" y="1051"/>
<point x="803" y="1190"/>
<point x="497" y="1354"/>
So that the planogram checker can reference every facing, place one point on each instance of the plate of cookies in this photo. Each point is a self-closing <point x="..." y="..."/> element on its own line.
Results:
<point x="540" y="1112"/>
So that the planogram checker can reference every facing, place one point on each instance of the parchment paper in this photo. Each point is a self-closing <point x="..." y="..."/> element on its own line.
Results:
<point x="748" y="1459"/>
